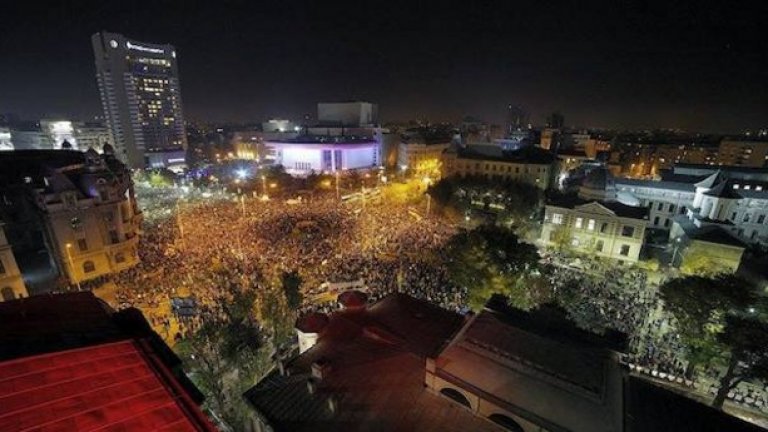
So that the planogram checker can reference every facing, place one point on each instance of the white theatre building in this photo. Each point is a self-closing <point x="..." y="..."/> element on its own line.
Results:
<point x="305" y="154"/>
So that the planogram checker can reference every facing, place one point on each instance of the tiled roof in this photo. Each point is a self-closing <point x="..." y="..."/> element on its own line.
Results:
<point x="114" y="386"/>
<point x="376" y="357"/>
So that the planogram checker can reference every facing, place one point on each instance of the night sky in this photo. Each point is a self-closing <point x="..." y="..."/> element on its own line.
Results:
<point x="616" y="64"/>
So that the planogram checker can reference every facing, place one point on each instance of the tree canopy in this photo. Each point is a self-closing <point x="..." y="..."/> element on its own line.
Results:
<point x="490" y="260"/>
<point x="709" y="313"/>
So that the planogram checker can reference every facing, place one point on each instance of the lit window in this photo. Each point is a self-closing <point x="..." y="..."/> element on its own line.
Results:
<point x="758" y="188"/>
<point x="579" y="222"/>
<point x="575" y="242"/>
<point x="557" y="219"/>
<point x="591" y="225"/>
<point x="736" y="186"/>
<point x="747" y="187"/>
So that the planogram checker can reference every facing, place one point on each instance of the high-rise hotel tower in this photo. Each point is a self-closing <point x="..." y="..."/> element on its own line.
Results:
<point x="141" y="97"/>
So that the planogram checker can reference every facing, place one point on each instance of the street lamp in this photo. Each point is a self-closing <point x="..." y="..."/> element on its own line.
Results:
<point x="72" y="265"/>
<point x="674" y="253"/>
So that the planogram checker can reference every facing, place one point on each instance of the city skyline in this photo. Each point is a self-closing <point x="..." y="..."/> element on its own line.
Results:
<point x="666" y="66"/>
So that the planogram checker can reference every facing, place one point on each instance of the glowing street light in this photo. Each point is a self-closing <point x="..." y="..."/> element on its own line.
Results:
<point x="241" y="173"/>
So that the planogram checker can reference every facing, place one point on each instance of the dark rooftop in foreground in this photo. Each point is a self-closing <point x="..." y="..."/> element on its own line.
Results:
<point x="68" y="362"/>
<point x="376" y="358"/>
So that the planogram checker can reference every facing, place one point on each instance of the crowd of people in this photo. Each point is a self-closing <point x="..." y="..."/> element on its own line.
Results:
<point x="208" y="245"/>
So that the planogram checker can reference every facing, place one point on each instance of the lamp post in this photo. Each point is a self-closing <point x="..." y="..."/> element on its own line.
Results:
<point x="72" y="266"/>
<point x="674" y="253"/>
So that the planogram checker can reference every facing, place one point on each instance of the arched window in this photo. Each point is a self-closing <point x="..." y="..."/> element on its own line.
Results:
<point x="456" y="396"/>
<point x="7" y="294"/>
<point x="506" y="422"/>
<point x="89" y="266"/>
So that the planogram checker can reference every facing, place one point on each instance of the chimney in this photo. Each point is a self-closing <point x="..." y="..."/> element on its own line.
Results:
<point x="321" y="368"/>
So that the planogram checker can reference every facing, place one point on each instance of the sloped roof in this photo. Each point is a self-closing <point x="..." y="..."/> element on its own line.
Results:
<point x="723" y="190"/>
<point x="376" y="357"/>
<point x="713" y="179"/>
<point x="115" y="385"/>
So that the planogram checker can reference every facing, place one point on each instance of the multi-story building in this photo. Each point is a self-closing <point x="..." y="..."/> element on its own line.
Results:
<point x="743" y="153"/>
<point x="83" y="211"/>
<point x="58" y="132"/>
<point x="141" y="98"/>
<point x="605" y="229"/>
<point x="11" y="282"/>
<point x="529" y="164"/>
<point x="348" y="113"/>
<point x="708" y="210"/>
<point x="93" y="135"/>
<point x="307" y="153"/>
<point x="420" y="150"/>
<point x="5" y="139"/>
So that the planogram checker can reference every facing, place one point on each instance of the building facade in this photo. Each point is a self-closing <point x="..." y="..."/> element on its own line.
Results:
<point x="609" y="230"/>
<point x="348" y="113"/>
<point x="6" y="143"/>
<point x="529" y="165"/>
<point x="141" y="97"/>
<point x="11" y="282"/>
<point x="736" y="198"/>
<point x="305" y="154"/>
<point x="743" y="153"/>
<point x="93" y="135"/>
<point x="83" y="212"/>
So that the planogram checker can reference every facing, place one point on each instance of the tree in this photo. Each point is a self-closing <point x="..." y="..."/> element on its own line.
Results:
<point x="491" y="260"/>
<point x="225" y="357"/>
<point x="291" y="283"/>
<point x="747" y="340"/>
<point x="701" y="306"/>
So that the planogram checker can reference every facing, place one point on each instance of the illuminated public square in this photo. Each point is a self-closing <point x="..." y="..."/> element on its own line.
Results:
<point x="319" y="216"/>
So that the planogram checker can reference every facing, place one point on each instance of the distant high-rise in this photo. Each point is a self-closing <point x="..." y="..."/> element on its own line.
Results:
<point x="141" y="98"/>
<point x="556" y="120"/>
<point x="517" y="119"/>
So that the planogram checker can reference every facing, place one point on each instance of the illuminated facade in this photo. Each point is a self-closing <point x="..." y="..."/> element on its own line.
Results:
<point x="56" y="132"/>
<point x="141" y="97"/>
<point x="530" y="165"/>
<point x="5" y="139"/>
<point x="305" y="154"/>
<point x="92" y="135"/>
<point x="11" y="282"/>
<point x="80" y="207"/>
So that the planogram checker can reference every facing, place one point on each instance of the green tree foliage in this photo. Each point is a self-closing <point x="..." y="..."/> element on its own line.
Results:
<point x="704" y="309"/>
<point x="224" y="356"/>
<point x="517" y="203"/>
<point x="491" y="260"/>
<point x="291" y="283"/>
<point x="747" y="340"/>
